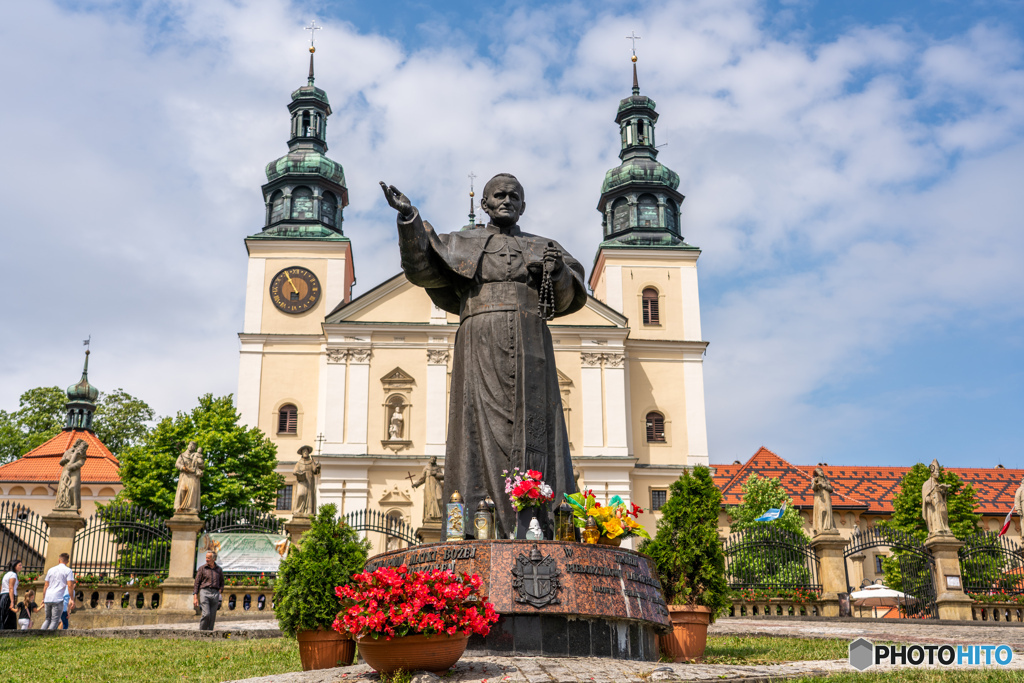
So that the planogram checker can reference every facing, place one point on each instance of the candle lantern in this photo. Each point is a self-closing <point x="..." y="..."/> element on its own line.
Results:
<point x="563" y="523"/>
<point x="591" y="533"/>
<point x="483" y="521"/>
<point x="455" y="521"/>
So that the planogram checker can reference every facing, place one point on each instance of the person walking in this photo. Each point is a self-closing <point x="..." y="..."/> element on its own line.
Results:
<point x="9" y="597"/>
<point x="64" y="612"/>
<point x="26" y="609"/>
<point x="60" y="582"/>
<point x="206" y="592"/>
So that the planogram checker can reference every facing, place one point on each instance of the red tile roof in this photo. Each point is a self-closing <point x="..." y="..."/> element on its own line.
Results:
<point x="42" y="464"/>
<point x="867" y="488"/>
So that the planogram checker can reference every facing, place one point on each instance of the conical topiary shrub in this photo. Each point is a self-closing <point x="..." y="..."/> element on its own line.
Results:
<point x="688" y="556"/>
<point x="304" y="599"/>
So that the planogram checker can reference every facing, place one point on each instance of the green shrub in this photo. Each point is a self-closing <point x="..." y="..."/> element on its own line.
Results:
<point x="687" y="552"/>
<point x="327" y="557"/>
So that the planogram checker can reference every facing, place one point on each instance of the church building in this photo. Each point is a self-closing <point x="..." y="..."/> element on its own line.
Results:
<point x="365" y="380"/>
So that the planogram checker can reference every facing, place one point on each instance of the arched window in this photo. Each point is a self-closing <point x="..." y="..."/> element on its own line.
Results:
<point x="647" y="211"/>
<point x="671" y="216"/>
<point x="302" y="204"/>
<point x="288" y="419"/>
<point x="306" y="132"/>
<point x="328" y="207"/>
<point x="650" y="302"/>
<point x="655" y="427"/>
<point x="277" y="207"/>
<point x="620" y="214"/>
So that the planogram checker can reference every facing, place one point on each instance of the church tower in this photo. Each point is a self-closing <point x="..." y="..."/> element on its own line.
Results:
<point x="646" y="271"/>
<point x="300" y="263"/>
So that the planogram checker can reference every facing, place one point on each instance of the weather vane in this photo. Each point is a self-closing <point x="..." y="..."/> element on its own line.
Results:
<point x="313" y="28"/>
<point x="87" y="342"/>
<point x="633" y="37"/>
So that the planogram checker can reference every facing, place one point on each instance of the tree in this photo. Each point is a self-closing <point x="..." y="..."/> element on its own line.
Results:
<point x="239" y="461"/>
<point x="686" y="549"/>
<point x="121" y="420"/>
<point x="961" y="502"/>
<point x="12" y="439"/>
<point x="760" y="494"/>
<point x="41" y="415"/>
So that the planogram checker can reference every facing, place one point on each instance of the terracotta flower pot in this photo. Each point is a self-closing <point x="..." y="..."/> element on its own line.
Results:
<point x="325" y="649"/>
<point x="689" y="635"/>
<point x="436" y="653"/>
<point x="614" y="542"/>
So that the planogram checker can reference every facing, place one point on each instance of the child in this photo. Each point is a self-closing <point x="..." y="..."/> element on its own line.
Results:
<point x="26" y="609"/>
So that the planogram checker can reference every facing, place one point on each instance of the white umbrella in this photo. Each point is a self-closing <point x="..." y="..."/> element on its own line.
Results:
<point x="879" y="596"/>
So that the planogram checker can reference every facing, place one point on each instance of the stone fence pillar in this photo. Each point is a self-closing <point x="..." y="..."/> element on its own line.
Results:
<point x="950" y="598"/>
<point x="297" y="526"/>
<point x="63" y="525"/>
<point x="829" y="547"/>
<point x="180" y="575"/>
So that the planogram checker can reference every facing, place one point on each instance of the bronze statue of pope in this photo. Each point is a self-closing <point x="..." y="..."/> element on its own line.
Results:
<point x="505" y="409"/>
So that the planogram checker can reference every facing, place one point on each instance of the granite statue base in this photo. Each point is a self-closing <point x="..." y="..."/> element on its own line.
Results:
<point x="555" y="598"/>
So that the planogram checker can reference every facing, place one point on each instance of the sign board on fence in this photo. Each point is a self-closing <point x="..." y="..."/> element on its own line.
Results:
<point x="244" y="552"/>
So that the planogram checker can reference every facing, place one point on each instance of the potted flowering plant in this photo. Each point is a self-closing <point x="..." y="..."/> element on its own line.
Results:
<point x="413" y="620"/>
<point x="616" y="520"/>
<point x="304" y="592"/>
<point x="530" y="496"/>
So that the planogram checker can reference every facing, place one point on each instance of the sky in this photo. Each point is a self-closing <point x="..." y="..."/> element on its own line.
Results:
<point x="849" y="171"/>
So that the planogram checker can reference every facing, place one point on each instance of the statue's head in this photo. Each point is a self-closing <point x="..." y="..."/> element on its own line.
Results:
<point x="192" y="445"/>
<point x="503" y="200"/>
<point x="304" y="451"/>
<point x="934" y="468"/>
<point x="433" y="460"/>
<point x="81" y="445"/>
<point x="818" y="472"/>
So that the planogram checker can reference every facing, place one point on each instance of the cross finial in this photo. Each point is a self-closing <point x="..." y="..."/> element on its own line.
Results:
<point x="472" y="210"/>
<point x="313" y="28"/>
<point x="633" y="37"/>
<point x="636" y="84"/>
<point x="319" y="443"/>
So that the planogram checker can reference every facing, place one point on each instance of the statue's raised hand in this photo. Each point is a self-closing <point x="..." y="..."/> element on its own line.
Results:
<point x="396" y="200"/>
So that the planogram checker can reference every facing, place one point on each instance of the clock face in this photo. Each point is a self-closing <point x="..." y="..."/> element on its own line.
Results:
<point x="295" y="290"/>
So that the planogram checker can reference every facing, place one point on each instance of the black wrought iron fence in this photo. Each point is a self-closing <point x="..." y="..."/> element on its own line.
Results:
<point x="245" y="521"/>
<point x="769" y="558"/>
<point x="395" y="531"/>
<point x="992" y="565"/>
<point x="913" y="564"/>
<point x="23" y="536"/>
<point x="122" y="541"/>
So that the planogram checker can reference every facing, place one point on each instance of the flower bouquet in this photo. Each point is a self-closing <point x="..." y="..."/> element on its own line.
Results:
<point x="527" y="489"/>
<point x="427" y="616"/>
<point x="616" y="520"/>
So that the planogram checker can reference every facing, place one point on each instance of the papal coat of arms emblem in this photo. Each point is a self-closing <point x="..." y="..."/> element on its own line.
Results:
<point x="535" y="579"/>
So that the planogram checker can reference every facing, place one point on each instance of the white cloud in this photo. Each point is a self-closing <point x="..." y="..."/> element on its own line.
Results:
<point x="848" y="195"/>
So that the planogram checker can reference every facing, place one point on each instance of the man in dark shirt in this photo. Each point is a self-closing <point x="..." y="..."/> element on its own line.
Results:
<point x="206" y="593"/>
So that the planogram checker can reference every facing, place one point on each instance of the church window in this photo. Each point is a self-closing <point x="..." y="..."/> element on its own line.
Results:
<point x="288" y="419"/>
<point x="671" y="215"/>
<point x="655" y="427"/>
<point x="302" y="204"/>
<point x="650" y="303"/>
<point x="620" y="214"/>
<point x="277" y="207"/>
<point x="284" y="498"/>
<point x="647" y="211"/>
<point x="658" y="498"/>
<point x="328" y="208"/>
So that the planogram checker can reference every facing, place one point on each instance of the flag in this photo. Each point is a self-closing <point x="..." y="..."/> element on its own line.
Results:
<point x="771" y="515"/>
<point x="1006" y="522"/>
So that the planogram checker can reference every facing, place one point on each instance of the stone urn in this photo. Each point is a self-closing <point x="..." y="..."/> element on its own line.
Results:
<point x="436" y="653"/>
<point x="325" y="649"/>
<point x="689" y="635"/>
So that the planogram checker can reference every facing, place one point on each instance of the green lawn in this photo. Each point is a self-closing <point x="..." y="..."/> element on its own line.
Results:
<point x="70" y="660"/>
<point x="764" y="650"/>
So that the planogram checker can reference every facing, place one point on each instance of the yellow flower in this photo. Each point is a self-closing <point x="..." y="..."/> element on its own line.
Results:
<point x="612" y="528"/>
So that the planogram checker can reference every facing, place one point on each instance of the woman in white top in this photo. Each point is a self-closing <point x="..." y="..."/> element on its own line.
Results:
<point x="9" y="597"/>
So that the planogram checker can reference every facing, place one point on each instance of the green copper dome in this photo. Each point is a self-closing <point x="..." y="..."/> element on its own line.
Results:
<point x="640" y="170"/>
<point x="83" y="391"/>
<point x="306" y="161"/>
<point x="312" y="91"/>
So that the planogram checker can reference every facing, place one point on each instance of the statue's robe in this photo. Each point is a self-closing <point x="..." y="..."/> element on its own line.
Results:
<point x="505" y="409"/>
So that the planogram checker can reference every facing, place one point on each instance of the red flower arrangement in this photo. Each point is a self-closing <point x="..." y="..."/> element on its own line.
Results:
<point x="526" y="489"/>
<point x="394" y="602"/>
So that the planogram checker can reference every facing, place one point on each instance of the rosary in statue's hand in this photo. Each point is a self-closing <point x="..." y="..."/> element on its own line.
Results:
<point x="552" y="262"/>
<point x="396" y="200"/>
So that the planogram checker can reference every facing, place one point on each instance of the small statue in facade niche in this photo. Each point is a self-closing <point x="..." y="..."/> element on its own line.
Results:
<point x="190" y="468"/>
<point x="397" y="423"/>
<point x="823" y="521"/>
<point x="933" y="503"/>
<point x="69" y="488"/>
<point x="432" y="479"/>
<point x="305" y="472"/>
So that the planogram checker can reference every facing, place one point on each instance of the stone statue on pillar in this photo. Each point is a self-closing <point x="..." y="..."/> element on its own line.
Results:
<point x="306" y="471"/>
<point x="431" y="479"/>
<point x="823" y="522"/>
<point x="933" y="503"/>
<point x="69" y="488"/>
<point x="190" y="468"/>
